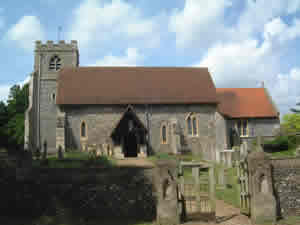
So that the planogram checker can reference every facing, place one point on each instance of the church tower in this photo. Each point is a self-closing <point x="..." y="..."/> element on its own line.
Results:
<point x="41" y="116"/>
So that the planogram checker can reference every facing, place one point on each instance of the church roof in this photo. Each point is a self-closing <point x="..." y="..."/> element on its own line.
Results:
<point x="135" y="85"/>
<point x="245" y="103"/>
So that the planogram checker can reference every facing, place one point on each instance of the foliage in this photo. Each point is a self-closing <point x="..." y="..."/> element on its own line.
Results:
<point x="282" y="146"/>
<point x="12" y="116"/>
<point x="291" y="123"/>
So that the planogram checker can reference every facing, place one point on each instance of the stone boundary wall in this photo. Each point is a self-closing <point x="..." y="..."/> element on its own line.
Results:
<point x="106" y="193"/>
<point x="286" y="181"/>
<point x="286" y="163"/>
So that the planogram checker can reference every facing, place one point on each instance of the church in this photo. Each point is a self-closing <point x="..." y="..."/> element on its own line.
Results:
<point x="138" y="111"/>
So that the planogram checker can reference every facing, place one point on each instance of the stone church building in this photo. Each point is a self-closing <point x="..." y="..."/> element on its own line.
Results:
<point x="137" y="111"/>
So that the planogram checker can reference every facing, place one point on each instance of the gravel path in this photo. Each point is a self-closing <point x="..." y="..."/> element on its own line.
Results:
<point x="134" y="162"/>
<point x="226" y="215"/>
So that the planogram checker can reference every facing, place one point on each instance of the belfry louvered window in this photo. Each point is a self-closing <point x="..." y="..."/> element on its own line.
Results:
<point x="55" y="63"/>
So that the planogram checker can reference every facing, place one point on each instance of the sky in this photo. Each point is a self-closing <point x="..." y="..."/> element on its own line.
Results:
<point x="242" y="42"/>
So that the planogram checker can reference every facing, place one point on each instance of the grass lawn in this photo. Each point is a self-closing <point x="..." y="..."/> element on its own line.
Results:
<point x="183" y="157"/>
<point x="291" y="220"/>
<point x="281" y="154"/>
<point x="76" y="160"/>
<point x="229" y="195"/>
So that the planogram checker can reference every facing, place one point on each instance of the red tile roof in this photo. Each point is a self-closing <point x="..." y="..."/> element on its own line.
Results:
<point x="245" y="103"/>
<point x="135" y="85"/>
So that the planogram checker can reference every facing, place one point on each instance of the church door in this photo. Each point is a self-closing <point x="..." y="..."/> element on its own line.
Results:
<point x="131" y="145"/>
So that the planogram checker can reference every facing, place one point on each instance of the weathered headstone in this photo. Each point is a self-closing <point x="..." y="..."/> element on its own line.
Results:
<point x="38" y="153"/>
<point x="45" y="150"/>
<point x="263" y="203"/>
<point x="298" y="151"/>
<point x="167" y="196"/>
<point x="60" y="152"/>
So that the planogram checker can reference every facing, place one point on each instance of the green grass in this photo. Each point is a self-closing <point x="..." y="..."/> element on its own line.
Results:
<point x="229" y="195"/>
<point x="281" y="154"/>
<point x="291" y="220"/>
<point x="76" y="160"/>
<point x="184" y="157"/>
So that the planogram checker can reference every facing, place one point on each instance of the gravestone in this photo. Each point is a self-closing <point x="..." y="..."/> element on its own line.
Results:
<point x="263" y="203"/>
<point x="167" y="197"/>
<point x="298" y="151"/>
<point x="45" y="150"/>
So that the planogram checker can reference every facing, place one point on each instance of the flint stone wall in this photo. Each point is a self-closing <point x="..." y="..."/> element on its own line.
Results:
<point x="102" y="119"/>
<point x="107" y="192"/>
<point x="286" y="178"/>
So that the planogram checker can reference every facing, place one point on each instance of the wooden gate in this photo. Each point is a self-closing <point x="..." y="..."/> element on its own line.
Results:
<point x="243" y="179"/>
<point x="197" y="191"/>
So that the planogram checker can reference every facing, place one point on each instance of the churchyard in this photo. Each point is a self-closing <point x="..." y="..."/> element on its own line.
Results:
<point x="76" y="187"/>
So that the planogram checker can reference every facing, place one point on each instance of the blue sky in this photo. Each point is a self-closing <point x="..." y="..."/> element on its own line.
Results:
<point x="242" y="42"/>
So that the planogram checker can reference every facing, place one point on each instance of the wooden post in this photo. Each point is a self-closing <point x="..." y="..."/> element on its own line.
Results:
<point x="212" y="188"/>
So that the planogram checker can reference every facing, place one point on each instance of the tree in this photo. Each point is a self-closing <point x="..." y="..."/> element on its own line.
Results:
<point x="291" y="123"/>
<point x="12" y="117"/>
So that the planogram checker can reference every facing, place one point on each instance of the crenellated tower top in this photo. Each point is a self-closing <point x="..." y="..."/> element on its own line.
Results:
<point x="60" y="46"/>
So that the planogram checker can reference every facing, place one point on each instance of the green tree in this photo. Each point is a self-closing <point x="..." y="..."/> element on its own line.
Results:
<point x="3" y="122"/>
<point x="12" y="117"/>
<point x="291" y="123"/>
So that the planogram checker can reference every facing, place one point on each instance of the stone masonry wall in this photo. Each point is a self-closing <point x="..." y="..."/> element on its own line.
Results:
<point x="102" y="119"/>
<point x="221" y="135"/>
<point x="286" y="178"/>
<point x="47" y="86"/>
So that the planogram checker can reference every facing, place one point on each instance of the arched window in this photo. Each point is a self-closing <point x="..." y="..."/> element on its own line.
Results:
<point x="53" y="97"/>
<point x="83" y="130"/>
<point x="189" y="125"/>
<point x="195" y="132"/>
<point x="164" y="134"/>
<point x="192" y="125"/>
<point x="55" y="63"/>
<point x="242" y="127"/>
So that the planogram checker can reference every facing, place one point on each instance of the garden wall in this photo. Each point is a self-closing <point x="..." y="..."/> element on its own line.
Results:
<point x="106" y="193"/>
<point x="286" y="180"/>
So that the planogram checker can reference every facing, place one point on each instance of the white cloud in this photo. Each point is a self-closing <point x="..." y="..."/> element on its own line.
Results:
<point x="258" y="13"/>
<point x="201" y="23"/>
<point x="199" y="20"/>
<point x="239" y="64"/>
<point x="26" y="31"/>
<point x="131" y="58"/>
<point x="4" y="91"/>
<point x="102" y="21"/>
<point x="295" y="74"/>
<point x="276" y="29"/>
<point x="285" y="89"/>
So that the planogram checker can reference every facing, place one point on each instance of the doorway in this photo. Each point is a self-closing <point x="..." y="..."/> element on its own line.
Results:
<point x="130" y="134"/>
